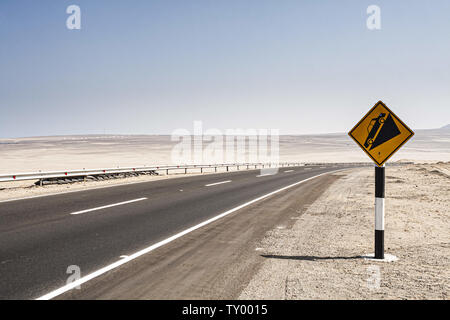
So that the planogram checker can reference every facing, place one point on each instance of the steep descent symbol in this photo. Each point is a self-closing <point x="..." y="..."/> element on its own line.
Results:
<point x="380" y="133"/>
<point x="386" y="128"/>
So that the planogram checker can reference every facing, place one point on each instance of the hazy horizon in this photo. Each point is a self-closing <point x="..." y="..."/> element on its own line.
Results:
<point x="444" y="127"/>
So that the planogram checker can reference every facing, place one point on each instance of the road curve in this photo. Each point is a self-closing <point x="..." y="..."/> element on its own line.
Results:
<point x="41" y="237"/>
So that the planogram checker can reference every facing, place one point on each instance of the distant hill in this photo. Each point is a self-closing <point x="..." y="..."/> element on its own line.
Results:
<point x="442" y="130"/>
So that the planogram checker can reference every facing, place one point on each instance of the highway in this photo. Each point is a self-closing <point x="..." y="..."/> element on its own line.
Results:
<point x="41" y="237"/>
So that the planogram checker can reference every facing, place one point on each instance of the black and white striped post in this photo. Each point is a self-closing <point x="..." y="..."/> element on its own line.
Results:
<point x="379" y="211"/>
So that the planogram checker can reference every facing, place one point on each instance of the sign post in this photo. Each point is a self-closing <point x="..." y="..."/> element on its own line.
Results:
<point x="379" y="211"/>
<point x="380" y="133"/>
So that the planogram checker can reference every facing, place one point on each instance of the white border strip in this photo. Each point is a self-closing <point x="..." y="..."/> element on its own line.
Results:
<point x="108" y="206"/>
<point x="136" y="255"/>
<point x="379" y="213"/>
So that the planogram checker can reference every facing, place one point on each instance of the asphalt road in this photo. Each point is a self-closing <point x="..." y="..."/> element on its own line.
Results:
<point x="41" y="237"/>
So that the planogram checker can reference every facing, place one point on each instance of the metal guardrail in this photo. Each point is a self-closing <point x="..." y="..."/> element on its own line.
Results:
<point x="94" y="172"/>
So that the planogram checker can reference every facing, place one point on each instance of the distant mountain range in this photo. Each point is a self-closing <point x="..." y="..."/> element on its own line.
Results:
<point x="442" y="130"/>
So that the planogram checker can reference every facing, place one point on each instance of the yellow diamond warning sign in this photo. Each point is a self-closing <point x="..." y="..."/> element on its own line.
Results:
<point x="380" y="133"/>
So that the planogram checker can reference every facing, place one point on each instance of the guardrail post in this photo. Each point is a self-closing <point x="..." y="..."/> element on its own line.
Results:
<point x="167" y="171"/>
<point x="215" y="169"/>
<point x="201" y="170"/>
<point x="185" y="170"/>
<point x="227" y="168"/>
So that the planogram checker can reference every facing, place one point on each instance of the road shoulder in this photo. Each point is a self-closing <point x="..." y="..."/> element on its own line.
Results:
<point x="319" y="257"/>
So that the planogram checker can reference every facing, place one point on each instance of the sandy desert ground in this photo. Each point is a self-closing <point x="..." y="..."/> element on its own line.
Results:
<point x="110" y="151"/>
<point x="90" y="152"/>
<point x="319" y="257"/>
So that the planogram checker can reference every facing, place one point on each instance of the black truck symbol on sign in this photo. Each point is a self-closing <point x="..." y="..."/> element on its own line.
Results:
<point x="372" y="129"/>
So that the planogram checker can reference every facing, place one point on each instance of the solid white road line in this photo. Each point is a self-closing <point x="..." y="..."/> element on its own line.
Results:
<point x="135" y="255"/>
<point x="108" y="206"/>
<point x="214" y="184"/>
<point x="289" y="170"/>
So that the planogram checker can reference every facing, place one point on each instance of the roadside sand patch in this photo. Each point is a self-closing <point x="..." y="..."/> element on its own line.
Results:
<point x="320" y="256"/>
<point x="23" y="189"/>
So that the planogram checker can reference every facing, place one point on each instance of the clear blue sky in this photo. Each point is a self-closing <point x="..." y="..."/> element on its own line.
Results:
<point x="156" y="65"/>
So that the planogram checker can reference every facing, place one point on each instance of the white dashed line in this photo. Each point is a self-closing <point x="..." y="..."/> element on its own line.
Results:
<point x="216" y="183"/>
<point x="289" y="170"/>
<point x="266" y="175"/>
<point x="108" y="206"/>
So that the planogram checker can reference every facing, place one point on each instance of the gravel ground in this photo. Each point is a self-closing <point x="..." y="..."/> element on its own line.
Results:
<point x="319" y="257"/>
